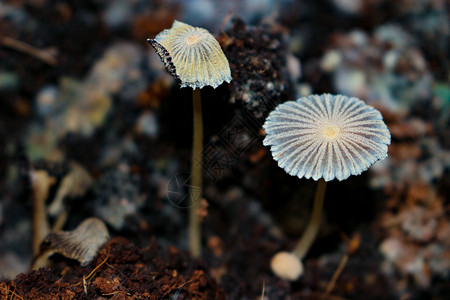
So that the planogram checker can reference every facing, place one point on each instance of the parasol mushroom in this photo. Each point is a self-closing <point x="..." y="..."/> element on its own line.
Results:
<point x="324" y="137"/>
<point x="194" y="58"/>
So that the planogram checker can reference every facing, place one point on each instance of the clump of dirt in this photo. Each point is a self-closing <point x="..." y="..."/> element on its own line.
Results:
<point x="257" y="56"/>
<point x="121" y="270"/>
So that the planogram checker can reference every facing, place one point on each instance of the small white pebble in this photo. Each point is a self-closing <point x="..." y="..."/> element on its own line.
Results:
<point x="46" y="100"/>
<point x="147" y="124"/>
<point x="392" y="248"/>
<point x="349" y="6"/>
<point x="304" y="90"/>
<point x="331" y="60"/>
<point x="390" y="59"/>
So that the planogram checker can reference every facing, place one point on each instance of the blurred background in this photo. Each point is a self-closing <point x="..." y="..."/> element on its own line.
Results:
<point x="81" y="89"/>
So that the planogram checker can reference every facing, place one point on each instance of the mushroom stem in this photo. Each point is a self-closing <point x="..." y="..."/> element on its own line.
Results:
<point x="195" y="188"/>
<point x="314" y="223"/>
<point x="41" y="183"/>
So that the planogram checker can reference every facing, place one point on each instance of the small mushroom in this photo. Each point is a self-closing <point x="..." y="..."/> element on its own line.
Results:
<point x="41" y="182"/>
<point x="194" y="58"/>
<point x="324" y="137"/>
<point x="81" y="244"/>
<point x="74" y="184"/>
<point x="286" y="265"/>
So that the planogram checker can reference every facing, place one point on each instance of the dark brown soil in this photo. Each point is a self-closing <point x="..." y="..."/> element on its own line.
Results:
<point x="120" y="271"/>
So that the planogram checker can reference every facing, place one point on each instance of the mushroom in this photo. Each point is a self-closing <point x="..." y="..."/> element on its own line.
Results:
<point x="81" y="244"/>
<point x="73" y="185"/>
<point x="41" y="182"/>
<point x="286" y="265"/>
<point x="324" y="137"/>
<point x="194" y="58"/>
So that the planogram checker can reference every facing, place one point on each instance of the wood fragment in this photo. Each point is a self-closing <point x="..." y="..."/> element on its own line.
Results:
<point x="335" y="277"/>
<point x="42" y="55"/>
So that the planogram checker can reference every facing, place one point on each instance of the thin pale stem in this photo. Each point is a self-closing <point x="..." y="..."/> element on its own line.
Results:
<point x="41" y="182"/>
<point x="195" y="189"/>
<point x="60" y="221"/>
<point x="314" y="223"/>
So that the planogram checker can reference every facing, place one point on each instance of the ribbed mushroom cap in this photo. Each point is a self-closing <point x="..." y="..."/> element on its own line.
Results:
<point x="82" y="243"/>
<point x="326" y="136"/>
<point x="192" y="55"/>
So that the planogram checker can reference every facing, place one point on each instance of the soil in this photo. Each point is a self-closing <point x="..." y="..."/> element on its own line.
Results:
<point x="120" y="271"/>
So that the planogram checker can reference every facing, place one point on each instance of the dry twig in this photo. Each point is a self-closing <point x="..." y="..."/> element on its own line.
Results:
<point x="13" y="293"/>
<point x="92" y="272"/>
<point x="20" y="46"/>
<point x="335" y="277"/>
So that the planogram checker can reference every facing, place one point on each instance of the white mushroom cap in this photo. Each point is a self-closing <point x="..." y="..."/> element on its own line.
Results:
<point x="192" y="55"/>
<point x="326" y="136"/>
<point x="286" y="266"/>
